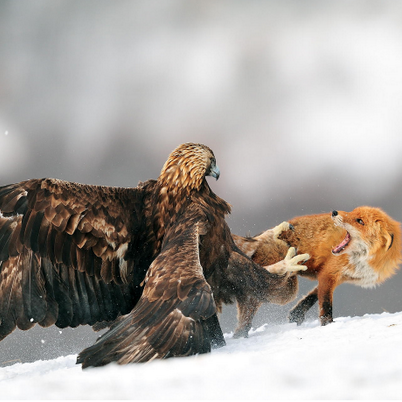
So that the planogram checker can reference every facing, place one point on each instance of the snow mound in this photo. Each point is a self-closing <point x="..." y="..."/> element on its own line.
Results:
<point x="353" y="358"/>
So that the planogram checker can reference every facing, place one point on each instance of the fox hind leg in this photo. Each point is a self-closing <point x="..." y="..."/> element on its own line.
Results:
<point x="325" y="291"/>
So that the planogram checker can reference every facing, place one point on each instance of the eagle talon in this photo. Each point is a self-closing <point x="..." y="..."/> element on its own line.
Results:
<point x="277" y="230"/>
<point x="289" y="264"/>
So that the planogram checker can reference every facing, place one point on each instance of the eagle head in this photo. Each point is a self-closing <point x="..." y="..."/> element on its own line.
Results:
<point x="187" y="167"/>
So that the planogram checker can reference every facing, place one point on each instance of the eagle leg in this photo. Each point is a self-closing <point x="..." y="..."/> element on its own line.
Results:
<point x="215" y="332"/>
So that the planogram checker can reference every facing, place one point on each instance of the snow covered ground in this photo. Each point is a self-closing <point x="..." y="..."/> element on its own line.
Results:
<point x="354" y="358"/>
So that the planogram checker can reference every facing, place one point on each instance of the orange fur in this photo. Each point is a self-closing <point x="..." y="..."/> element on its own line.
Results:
<point x="372" y="254"/>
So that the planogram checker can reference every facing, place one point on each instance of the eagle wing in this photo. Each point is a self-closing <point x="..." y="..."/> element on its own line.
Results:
<point x="173" y="316"/>
<point x="62" y="249"/>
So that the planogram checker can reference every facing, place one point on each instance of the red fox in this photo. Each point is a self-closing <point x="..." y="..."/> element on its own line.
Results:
<point x="362" y="247"/>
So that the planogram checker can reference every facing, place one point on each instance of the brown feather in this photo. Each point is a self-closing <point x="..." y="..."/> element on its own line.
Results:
<point x="81" y="264"/>
<point x="15" y="246"/>
<point x="62" y="217"/>
<point x="50" y="213"/>
<point x="42" y="237"/>
<point x="79" y="239"/>
<point x="10" y="200"/>
<point x="106" y="272"/>
<point x="84" y="226"/>
<point x="72" y="223"/>
<point x="100" y="247"/>
<point x="59" y="241"/>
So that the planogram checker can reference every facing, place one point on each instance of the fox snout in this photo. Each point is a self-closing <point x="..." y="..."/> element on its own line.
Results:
<point x="337" y="218"/>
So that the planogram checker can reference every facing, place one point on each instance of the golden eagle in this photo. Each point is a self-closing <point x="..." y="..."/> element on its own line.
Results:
<point x="138" y="259"/>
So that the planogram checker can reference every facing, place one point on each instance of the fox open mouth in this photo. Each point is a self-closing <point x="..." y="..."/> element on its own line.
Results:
<point x="340" y="247"/>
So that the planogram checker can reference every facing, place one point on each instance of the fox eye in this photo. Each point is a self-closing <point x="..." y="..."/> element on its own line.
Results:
<point x="359" y="221"/>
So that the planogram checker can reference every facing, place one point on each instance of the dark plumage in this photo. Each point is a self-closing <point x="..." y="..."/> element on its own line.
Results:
<point x="138" y="259"/>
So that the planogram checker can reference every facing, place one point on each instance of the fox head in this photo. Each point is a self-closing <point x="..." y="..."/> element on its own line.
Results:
<point x="372" y="233"/>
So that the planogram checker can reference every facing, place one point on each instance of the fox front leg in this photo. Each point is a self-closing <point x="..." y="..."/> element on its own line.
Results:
<point x="326" y="287"/>
<point x="298" y="313"/>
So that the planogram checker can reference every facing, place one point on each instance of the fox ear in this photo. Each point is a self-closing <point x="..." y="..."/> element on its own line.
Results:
<point x="390" y="240"/>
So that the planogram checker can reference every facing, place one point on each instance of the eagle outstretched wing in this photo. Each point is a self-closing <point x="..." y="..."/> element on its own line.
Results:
<point x="62" y="253"/>
<point x="176" y="310"/>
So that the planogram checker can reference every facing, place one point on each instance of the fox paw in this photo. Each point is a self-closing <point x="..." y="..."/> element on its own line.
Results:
<point x="326" y="319"/>
<point x="289" y="264"/>
<point x="296" y="316"/>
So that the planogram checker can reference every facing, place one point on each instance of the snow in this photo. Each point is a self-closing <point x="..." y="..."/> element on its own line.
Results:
<point x="353" y="358"/>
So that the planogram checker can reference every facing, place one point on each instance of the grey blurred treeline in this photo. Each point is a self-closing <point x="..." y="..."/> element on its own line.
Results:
<point x="300" y="102"/>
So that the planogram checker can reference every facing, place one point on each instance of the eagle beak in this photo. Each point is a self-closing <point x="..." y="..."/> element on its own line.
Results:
<point x="214" y="171"/>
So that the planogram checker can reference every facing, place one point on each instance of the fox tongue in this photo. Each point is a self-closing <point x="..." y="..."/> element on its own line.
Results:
<point x="341" y="246"/>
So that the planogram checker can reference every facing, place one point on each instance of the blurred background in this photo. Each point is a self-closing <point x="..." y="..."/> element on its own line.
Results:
<point x="300" y="101"/>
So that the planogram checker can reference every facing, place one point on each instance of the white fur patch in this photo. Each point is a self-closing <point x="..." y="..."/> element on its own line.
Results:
<point x="359" y="269"/>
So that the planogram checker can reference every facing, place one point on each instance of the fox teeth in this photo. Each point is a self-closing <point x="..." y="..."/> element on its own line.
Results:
<point x="342" y="245"/>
